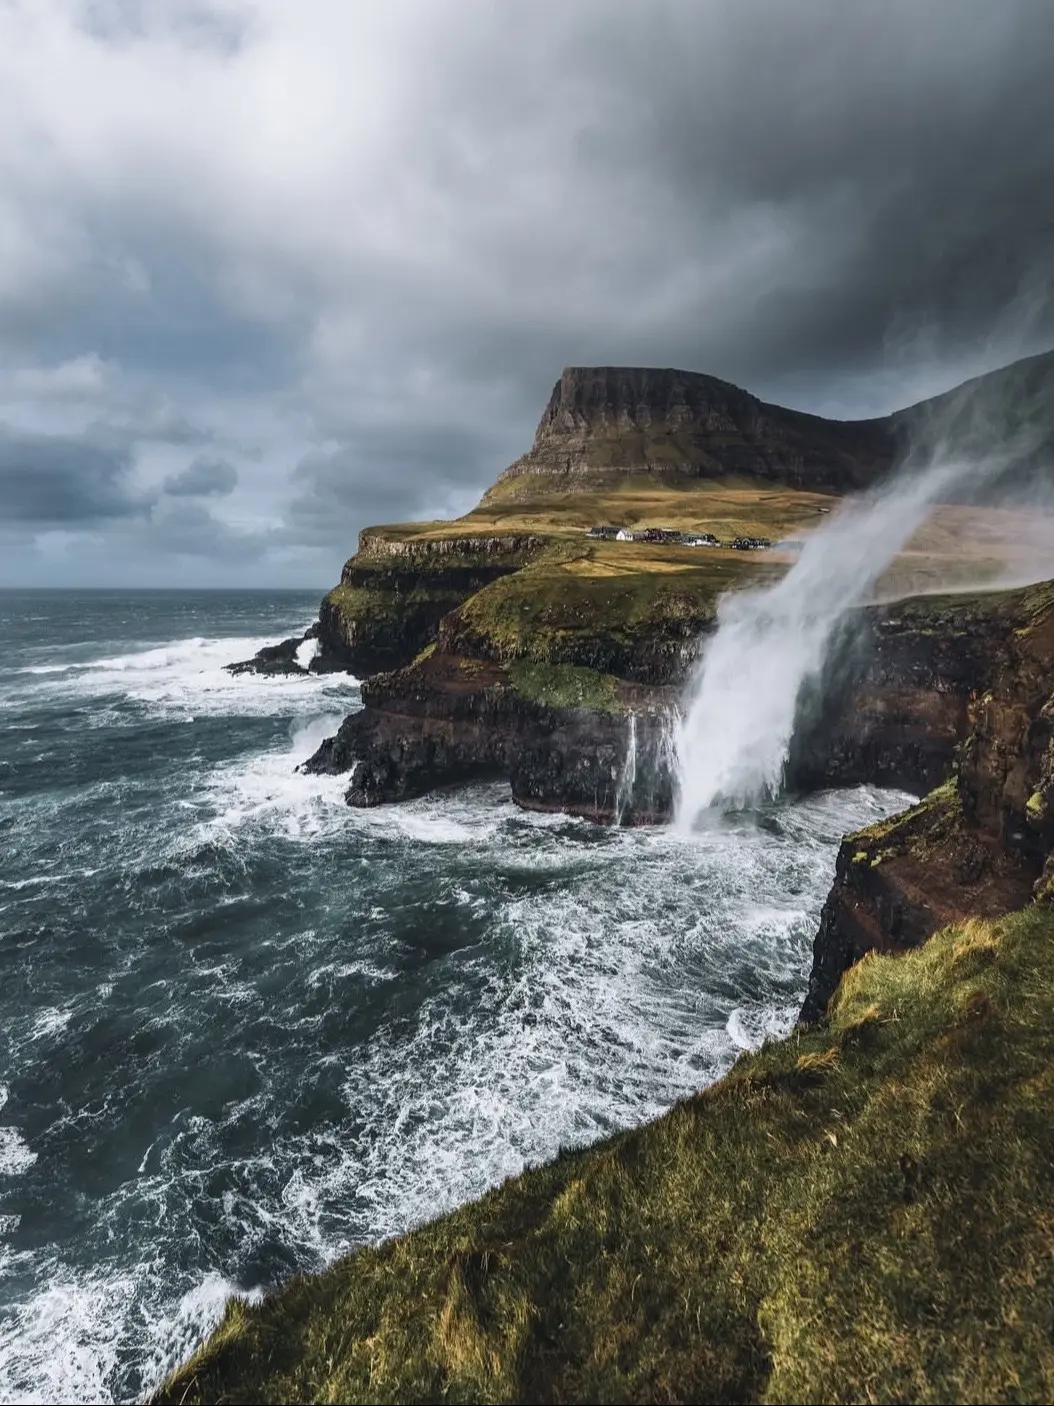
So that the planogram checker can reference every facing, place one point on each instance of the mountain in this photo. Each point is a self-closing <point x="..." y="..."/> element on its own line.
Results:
<point x="603" y="421"/>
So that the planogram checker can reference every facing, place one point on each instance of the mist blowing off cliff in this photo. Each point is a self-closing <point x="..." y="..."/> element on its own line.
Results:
<point x="733" y="740"/>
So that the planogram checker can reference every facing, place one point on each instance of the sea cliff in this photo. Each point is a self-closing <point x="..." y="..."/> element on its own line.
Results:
<point x="861" y="1211"/>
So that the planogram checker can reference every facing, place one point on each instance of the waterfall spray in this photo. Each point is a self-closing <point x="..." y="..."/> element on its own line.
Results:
<point x="734" y="738"/>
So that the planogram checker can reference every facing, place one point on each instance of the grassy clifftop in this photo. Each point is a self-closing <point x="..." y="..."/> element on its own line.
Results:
<point x="622" y="608"/>
<point x="861" y="1212"/>
<point x="531" y="582"/>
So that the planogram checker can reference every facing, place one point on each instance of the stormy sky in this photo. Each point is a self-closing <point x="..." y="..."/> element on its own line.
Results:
<point x="272" y="271"/>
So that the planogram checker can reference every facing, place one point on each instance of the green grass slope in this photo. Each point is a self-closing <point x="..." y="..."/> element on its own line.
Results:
<point x="862" y="1212"/>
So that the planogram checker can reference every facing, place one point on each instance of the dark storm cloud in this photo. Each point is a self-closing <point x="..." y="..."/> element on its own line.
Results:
<point x="202" y="478"/>
<point x="370" y="285"/>
<point x="881" y="169"/>
<point x="65" y="481"/>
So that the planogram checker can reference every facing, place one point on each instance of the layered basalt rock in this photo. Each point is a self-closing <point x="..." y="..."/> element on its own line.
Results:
<point x="894" y="703"/>
<point x="558" y="735"/>
<point x="282" y="659"/>
<point x="615" y="426"/>
<point x="501" y="651"/>
<point x="616" y="419"/>
<point x="603" y="422"/>
<point x="394" y="592"/>
<point x="274" y="660"/>
<point x="983" y="843"/>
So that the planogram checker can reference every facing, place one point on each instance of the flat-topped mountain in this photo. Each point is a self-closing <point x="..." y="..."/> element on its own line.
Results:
<point x="603" y="422"/>
<point x="616" y="419"/>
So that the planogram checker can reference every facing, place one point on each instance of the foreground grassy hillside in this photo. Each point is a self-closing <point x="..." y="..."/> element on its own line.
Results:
<point x="862" y="1212"/>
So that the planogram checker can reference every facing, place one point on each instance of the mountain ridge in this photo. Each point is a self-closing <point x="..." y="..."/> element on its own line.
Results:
<point x="602" y="422"/>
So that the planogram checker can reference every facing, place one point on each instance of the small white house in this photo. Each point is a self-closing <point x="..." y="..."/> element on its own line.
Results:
<point x="623" y="535"/>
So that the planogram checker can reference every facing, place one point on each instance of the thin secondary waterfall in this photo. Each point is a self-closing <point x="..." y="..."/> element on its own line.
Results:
<point x="628" y="778"/>
<point x="733" y="739"/>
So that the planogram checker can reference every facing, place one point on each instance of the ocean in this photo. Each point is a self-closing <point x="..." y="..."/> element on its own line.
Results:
<point x="244" y="1029"/>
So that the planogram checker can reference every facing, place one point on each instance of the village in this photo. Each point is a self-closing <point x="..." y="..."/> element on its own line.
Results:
<point x="671" y="537"/>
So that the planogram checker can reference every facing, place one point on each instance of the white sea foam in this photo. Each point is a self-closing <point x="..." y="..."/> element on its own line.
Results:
<point x="50" y="1022"/>
<point x="15" y="1156"/>
<point x="749" y="1027"/>
<point x="64" y="1342"/>
<point x="601" y="1019"/>
<point x="306" y="652"/>
<point x="174" y="1330"/>
<point x="187" y="678"/>
<point x="265" y="791"/>
<point x="575" y="996"/>
<point x="607" y="1022"/>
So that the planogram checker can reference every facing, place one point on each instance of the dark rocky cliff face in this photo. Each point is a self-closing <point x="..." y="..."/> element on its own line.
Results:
<point x="449" y="719"/>
<point x="983" y="843"/>
<point x="680" y="423"/>
<point x="902" y="698"/>
<point x="491" y="656"/>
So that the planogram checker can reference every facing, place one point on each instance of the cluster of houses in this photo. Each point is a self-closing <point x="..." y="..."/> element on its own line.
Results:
<point x="670" y="537"/>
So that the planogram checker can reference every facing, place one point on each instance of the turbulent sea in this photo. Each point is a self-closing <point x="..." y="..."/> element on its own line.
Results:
<point x="244" y="1029"/>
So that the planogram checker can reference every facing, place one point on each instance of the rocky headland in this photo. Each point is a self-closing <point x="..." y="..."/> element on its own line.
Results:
<point x="848" y="1213"/>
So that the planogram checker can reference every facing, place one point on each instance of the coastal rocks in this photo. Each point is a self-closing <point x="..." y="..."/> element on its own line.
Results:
<point x="893" y="705"/>
<point x="900" y="881"/>
<point x="393" y="593"/>
<point x="565" y="731"/>
<point x="611" y="770"/>
<point x="276" y="660"/>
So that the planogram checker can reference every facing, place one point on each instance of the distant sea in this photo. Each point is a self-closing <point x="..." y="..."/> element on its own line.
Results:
<point x="244" y="1028"/>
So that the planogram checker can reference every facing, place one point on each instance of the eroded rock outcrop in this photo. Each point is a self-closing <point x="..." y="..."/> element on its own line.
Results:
<point x="277" y="660"/>
<point x="982" y="843"/>
<point x="558" y="734"/>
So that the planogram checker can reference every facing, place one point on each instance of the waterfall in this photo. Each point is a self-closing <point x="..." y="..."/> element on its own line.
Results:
<point x="733" y="739"/>
<point x="628" y="778"/>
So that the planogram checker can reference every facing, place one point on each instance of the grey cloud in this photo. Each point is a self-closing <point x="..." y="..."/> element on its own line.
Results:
<point x="385" y="473"/>
<point x="223" y="30"/>
<point x="190" y="530"/>
<point x="65" y="481"/>
<point x="888" y="159"/>
<point x="202" y="478"/>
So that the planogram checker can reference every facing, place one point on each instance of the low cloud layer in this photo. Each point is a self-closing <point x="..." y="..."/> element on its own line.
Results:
<point x="269" y="273"/>
<point x="202" y="478"/>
